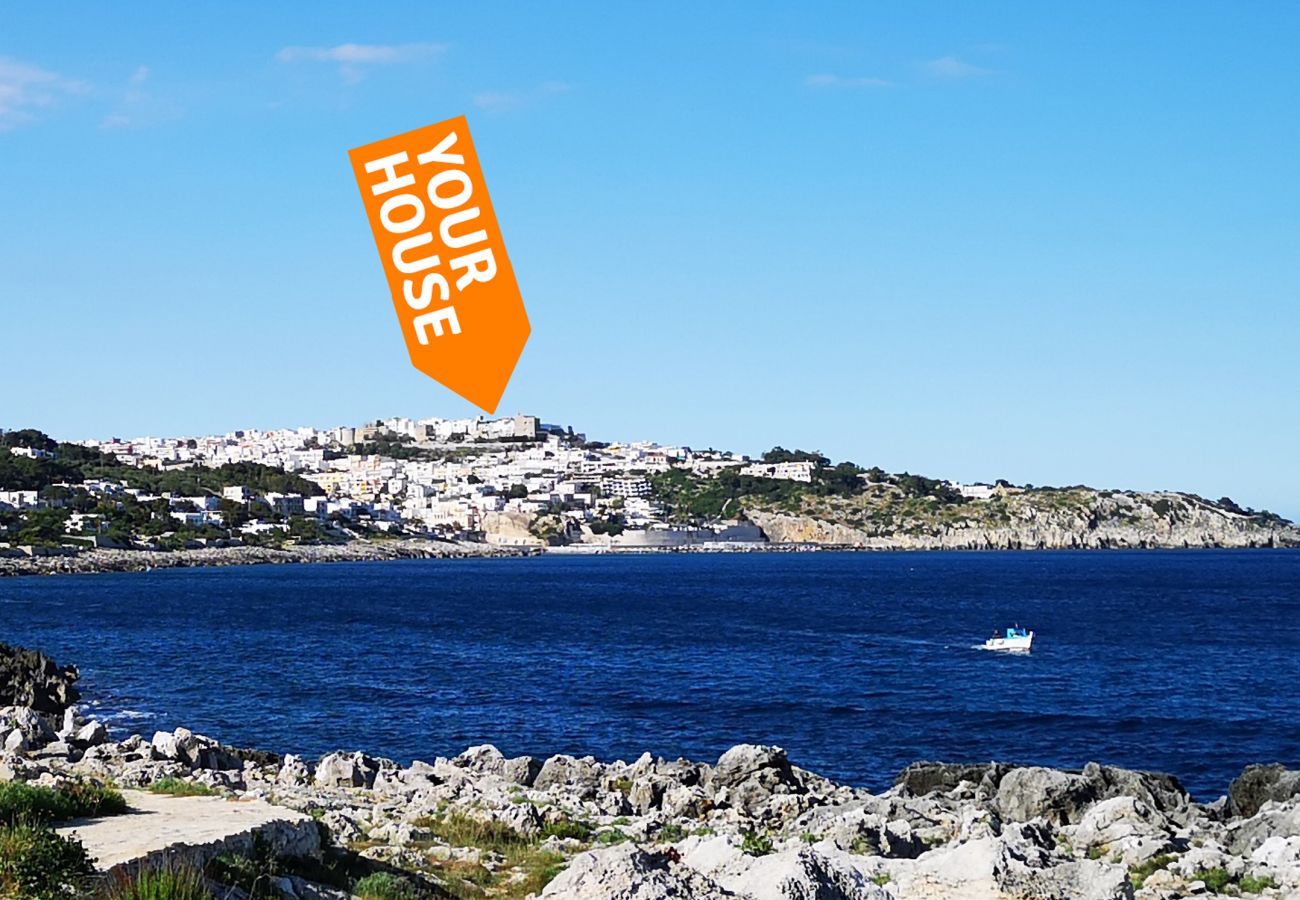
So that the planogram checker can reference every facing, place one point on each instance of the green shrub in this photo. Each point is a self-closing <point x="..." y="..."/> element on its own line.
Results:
<point x="384" y="886"/>
<point x="567" y="828"/>
<point x="37" y="864"/>
<point x="1140" y="873"/>
<point x="179" y="787"/>
<point x="93" y="798"/>
<point x="756" y="844"/>
<point x="672" y="833"/>
<point x="28" y="803"/>
<point x="1253" y="884"/>
<point x="1215" y="879"/>
<point x="168" y="883"/>
<point x="611" y="837"/>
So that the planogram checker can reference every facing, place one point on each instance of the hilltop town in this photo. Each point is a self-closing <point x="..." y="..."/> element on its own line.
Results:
<point x="518" y="484"/>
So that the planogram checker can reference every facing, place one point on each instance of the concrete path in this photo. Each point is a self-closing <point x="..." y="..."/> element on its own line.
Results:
<point x="193" y="829"/>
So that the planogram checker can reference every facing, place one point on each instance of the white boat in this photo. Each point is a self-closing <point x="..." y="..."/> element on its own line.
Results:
<point x="1016" y="640"/>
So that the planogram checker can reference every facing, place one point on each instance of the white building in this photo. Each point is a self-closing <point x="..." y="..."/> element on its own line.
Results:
<point x="975" y="491"/>
<point x="787" y="471"/>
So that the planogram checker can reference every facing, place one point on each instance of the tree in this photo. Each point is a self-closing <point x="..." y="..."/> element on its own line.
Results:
<point x="517" y="492"/>
<point x="844" y="479"/>
<point x="28" y="437"/>
<point x="305" y="530"/>
<point x="612" y="525"/>
<point x="780" y="455"/>
<point x="234" y="514"/>
<point x="42" y="527"/>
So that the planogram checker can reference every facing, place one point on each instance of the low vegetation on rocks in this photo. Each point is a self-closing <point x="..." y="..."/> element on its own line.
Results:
<point x="38" y="864"/>
<point x="179" y="787"/>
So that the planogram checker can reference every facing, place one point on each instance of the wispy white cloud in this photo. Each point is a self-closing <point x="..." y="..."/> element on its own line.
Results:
<point x="954" y="68"/>
<point x="827" y="80"/>
<point x="136" y="105"/>
<point x="352" y="59"/>
<point x="496" y="101"/>
<point x="26" y="88"/>
<point x="504" y="101"/>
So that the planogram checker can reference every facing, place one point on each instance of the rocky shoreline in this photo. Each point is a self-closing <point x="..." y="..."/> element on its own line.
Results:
<point x="751" y="826"/>
<point x="1087" y="528"/>
<point x="89" y="562"/>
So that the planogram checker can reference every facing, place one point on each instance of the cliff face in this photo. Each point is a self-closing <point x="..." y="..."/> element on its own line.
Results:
<point x="1076" y="518"/>
<point x="509" y="529"/>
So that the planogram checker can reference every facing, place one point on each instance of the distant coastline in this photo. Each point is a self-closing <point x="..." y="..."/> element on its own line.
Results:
<point x="104" y="561"/>
<point x="403" y="488"/>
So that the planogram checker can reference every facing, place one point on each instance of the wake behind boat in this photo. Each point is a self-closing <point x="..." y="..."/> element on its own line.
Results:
<point x="1015" y="640"/>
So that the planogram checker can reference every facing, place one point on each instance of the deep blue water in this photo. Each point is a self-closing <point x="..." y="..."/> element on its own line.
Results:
<point x="1181" y="661"/>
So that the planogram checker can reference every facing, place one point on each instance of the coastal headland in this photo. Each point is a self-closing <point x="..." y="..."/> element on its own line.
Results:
<point x="751" y="825"/>
<point x="402" y="488"/>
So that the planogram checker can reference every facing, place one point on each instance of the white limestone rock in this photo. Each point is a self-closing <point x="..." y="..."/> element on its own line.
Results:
<point x="629" y="872"/>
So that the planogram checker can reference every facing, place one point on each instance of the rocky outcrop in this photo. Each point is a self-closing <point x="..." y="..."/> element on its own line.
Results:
<point x="1258" y="784"/>
<point x="631" y="872"/>
<point x="921" y="778"/>
<point x="1022" y="793"/>
<point x="1125" y="827"/>
<point x="1079" y="518"/>
<point x="32" y="680"/>
<point x="509" y="529"/>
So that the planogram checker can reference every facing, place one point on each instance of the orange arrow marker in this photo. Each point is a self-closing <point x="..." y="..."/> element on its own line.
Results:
<point x="453" y="286"/>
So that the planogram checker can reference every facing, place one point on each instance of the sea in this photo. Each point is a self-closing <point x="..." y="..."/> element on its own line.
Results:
<point x="857" y="664"/>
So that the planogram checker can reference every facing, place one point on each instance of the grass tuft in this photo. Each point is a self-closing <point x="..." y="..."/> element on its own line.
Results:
<point x="1253" y="884"/>
<point x="1140" y="873"/>
<point x="756" y="844"/>
<point x="179" y="787"/>
<point x="671" y="833"/>
<point x="567" y="828"/>
<point x="1215" y="879"/>
<point x="178" y="882"/>
<point x="384" y="886"/>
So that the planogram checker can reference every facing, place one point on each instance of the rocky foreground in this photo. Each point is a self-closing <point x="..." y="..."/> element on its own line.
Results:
<point x="751" y="825"/>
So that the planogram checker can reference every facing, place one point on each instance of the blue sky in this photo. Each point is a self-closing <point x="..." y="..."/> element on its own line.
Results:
<point x="968" y="240"/>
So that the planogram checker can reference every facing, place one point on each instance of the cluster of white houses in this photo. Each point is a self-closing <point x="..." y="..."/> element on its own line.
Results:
<point x="461" y="478"/>
<point x="486" y="479"/>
